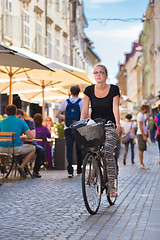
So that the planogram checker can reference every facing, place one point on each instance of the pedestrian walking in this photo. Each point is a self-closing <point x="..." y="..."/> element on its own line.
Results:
<point x="72" y="108"/>
<point x="142" y="134"/>
<point x="157" y="122"/>
<point x="104" y="100"/>
<point x="128" y="128"/>
<point x="151" y="127"/>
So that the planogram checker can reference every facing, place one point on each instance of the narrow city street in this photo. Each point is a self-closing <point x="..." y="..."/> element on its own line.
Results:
<point x="52" y="207"/>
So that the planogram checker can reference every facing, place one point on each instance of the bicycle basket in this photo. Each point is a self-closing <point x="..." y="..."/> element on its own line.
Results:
<point x="88" y="135"/>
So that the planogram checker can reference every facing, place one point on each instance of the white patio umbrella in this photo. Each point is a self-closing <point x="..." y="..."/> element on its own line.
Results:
<point x="59" y="67"/>
<point x="38" y="87"/>
<point x="13" y="63"/>
<point x="36" y="83"/>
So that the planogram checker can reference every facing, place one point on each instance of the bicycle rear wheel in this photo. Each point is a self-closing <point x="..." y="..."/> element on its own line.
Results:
<point x="112" y="200"/>
<point x="91" y="183"/>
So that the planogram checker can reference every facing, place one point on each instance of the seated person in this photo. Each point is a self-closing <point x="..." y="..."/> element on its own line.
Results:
<point x="14" y="124"/>
<point x="39" y="150"/>
<point x="50" y="125"/>
<point x="42" y="131"/>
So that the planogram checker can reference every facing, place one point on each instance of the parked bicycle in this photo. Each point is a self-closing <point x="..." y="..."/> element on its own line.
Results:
<point x="94" y="173"/>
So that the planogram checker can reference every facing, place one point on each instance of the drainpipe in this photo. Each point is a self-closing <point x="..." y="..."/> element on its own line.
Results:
<point x="46" y="27"/>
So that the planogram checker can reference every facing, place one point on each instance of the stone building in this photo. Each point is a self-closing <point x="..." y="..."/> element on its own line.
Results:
<point x="50" y="28"/>
<point x="142" y="67"/>
<point x="130" y="79"/>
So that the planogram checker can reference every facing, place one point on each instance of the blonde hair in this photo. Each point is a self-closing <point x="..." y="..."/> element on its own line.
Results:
<point x="45" y="122"/>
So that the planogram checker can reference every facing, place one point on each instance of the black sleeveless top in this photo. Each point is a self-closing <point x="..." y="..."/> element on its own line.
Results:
<point x="102" y="107"/>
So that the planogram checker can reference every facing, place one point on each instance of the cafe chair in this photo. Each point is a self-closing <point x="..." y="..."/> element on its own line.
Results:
<point x="9" y="161"/>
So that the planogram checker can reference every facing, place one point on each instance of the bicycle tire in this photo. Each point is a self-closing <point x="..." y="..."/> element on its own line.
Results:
<point x="112" y="200"/>
<point x="91" y="183"/>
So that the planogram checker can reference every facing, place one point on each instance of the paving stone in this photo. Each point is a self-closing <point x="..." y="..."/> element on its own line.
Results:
<point x="52" y="207"/>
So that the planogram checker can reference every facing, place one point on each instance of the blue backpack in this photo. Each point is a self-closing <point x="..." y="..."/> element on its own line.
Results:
<point x="72" y="112"/>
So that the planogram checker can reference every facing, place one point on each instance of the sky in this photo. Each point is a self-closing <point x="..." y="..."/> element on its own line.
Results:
<point x="112" y="39"/>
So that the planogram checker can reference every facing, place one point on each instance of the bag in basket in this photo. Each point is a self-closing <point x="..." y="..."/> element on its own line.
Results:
<point x="88" y="135"/>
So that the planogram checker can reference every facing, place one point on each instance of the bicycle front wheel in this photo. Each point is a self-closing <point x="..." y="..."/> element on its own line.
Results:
<point x="91" y="183"/>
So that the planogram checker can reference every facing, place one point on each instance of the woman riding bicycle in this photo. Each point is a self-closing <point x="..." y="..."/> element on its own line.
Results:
<point x="104" y="99"/>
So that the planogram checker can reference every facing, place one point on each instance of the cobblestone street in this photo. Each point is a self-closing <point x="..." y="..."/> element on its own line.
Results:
<point x="52" y="207"/>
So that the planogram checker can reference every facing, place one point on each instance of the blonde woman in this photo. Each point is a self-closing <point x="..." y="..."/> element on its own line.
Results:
<point x="50" y="125"/>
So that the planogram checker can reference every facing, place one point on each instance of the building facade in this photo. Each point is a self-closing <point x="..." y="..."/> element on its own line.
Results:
<point x="143" y="67"/>
<point x="130" y="80"/>
<point x="43" y="27"/>
<point x="50" y="28"/>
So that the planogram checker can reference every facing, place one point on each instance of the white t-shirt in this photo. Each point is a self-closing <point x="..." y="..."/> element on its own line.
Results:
<point x="127" y="126"/>
<point x="141" y="118"/>
<point x="65" y="103"/>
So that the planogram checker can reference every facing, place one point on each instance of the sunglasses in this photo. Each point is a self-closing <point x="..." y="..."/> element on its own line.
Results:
<point x="100" y="72"/>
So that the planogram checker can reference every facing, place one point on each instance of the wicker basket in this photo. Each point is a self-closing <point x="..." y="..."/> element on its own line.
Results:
<point x="89" y="135"/>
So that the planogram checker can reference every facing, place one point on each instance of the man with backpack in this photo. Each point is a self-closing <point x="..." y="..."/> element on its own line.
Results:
<point x="72" y="108"/>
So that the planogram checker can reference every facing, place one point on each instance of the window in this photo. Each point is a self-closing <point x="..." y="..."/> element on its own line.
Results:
<point x="8" y="18"/>
<point x="64" y="8"/>
<point x="57" y="50"/>
<point x="8" y="5"/>
<point x="57" y="4"/>
<point x="49" y="44"/>
<point x="25" y="28"/>
<point x="39" y="38"/>
<point x="65" y="50"/>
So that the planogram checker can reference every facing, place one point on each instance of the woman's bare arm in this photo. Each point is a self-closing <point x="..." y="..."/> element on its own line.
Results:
<point x="133" y="134"/>
<point x="59" y="115"/>
<point x="85" y="109"/>
<point x="116" y="113"/>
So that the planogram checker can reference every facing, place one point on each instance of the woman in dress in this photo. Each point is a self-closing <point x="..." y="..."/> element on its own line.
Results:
<point x="128" y="127"/>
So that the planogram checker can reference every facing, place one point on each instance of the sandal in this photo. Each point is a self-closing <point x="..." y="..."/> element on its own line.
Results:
<point x="113" y="194"/>
<point x="112" y="191"/>
<point x="90" y="180"/>
<point x="21" y="172"/>
<point x="91" y="176"/>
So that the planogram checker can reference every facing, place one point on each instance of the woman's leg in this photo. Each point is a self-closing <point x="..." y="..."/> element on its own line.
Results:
<point x="125" y="153"/>
<point x="132" y="151"/>
<point x="69" y="143"/>
<point x="158" y="140"/>
<point x="110" y="141"/>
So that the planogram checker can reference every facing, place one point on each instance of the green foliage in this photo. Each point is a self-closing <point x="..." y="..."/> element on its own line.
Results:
<point x="60" y="129"/>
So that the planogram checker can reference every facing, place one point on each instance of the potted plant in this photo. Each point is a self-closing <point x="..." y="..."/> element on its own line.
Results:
<point x="60" y="161"/>
<point x="60" y="130"/>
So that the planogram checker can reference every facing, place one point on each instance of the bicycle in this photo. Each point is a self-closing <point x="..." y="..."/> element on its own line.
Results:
<point x="94" y="172"/>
